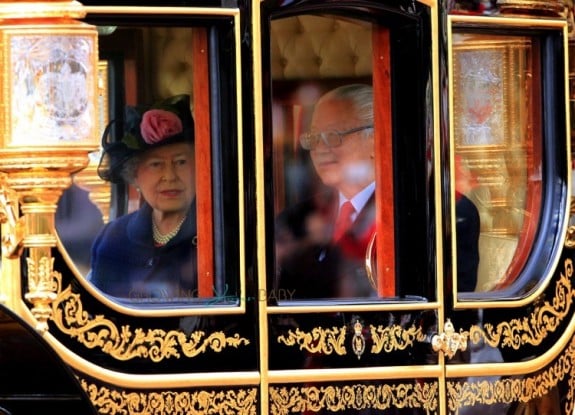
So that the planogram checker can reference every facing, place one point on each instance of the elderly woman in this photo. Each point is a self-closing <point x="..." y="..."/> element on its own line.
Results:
<point x="151" y="253"/>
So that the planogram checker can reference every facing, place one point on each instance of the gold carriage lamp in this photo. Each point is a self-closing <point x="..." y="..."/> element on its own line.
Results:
<point x="48" y="125"/>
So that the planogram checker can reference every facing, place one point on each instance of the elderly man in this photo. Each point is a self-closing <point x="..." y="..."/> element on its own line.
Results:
<point x="332" y="231"/>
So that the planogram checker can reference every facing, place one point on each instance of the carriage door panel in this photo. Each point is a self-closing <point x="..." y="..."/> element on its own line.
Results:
<point x="348" y="313"/>
<point x="509" y="158"/>
<point x="167" y="352"/>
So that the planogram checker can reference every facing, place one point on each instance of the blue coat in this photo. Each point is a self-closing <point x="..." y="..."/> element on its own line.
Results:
<point x="126" y="263"/>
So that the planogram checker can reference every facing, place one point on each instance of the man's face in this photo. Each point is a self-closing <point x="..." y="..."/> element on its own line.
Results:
<point x="349" y="167"/>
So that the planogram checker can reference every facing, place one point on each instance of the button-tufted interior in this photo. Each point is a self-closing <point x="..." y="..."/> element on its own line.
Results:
<point x="305" y="47"/>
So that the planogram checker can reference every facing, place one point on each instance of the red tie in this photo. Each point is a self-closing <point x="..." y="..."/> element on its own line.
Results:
<point x="344" y="220"/>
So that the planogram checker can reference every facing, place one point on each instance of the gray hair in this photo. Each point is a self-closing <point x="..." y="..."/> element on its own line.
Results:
<point x="128" y="172"/>
<point x="360" y="96"/>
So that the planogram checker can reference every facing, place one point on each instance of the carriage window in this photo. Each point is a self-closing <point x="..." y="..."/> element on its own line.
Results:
<point x="142" y="222"/>
<point x="498" y="157"/>
<point x="332" y="175"/>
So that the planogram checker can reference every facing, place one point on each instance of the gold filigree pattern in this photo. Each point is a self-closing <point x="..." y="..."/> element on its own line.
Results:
<point x="534" y="328"/>
<point x="394" y="337"/>
<point x="43" y="282"/>
<point x="526" y="389"/>
<point x="424" y="395"/>
<point x="124" y="343"/>
<point x="111" y="401"/>
<point x="320" y="340"/>
<point x="327" y="341"/>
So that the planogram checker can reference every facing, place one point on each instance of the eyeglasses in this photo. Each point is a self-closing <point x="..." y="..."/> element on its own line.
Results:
<point x="309" y="141"/>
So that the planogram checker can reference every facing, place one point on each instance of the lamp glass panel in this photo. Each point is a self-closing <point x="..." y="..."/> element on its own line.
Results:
<point x="53" y="87"/>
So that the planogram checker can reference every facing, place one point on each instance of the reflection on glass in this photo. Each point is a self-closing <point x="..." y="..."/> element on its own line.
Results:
<point x="50" y="97"/>
<point x="151" y="253"/>
<point x="498" y="156"/>
<point x="146" y="251"/>
<point x="331" y="230"/>
<point x="78" y="221"/>
<point x="325" y="178"/>
<point x="467" y="225"/>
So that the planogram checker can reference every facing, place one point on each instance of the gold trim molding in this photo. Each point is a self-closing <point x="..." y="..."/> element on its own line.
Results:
<point x="112" y="401"/>
<point x="570" y="237"/>
<point x="124" y="343"/>
<point x="423" y="395"/>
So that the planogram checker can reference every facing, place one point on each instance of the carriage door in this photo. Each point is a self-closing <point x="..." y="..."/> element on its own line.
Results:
<point x="438" y="286"/>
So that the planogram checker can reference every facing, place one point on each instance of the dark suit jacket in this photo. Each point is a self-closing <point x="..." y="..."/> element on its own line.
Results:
<point x="467" y="232"/>
<point x="125" y="262"/>
<point x="315" y="268"/>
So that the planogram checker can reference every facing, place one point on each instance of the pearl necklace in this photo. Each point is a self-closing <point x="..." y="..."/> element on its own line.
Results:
<point x="162" y="239"/>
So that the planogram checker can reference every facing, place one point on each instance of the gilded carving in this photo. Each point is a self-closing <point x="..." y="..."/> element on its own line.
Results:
<point x="43" y="282"/>
<point x="124" y="343"/>
<point x="449" y="342"/>
<point x="111" y="401"/>
<point x="423" y="395"/>
<point x="358" y="340"/>
<point x="533" y="328"/>
<point x="540" y="386"/>
<point x="327" y="341"/>
<point x="12" y="240"/>
<point x="394" y="337"/>
<point x="320" y="340"/>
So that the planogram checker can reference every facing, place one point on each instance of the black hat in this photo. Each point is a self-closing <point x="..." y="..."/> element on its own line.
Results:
<point x="166" y="122"/>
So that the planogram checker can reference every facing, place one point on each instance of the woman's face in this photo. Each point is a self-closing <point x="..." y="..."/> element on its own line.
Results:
<point x="165" y="177"/>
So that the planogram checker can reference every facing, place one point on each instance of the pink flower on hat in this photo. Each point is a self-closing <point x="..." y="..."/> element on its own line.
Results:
<point x="159" y="124"/>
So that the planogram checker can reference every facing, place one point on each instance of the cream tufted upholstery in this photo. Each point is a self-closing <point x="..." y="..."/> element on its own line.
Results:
<point x="308" y="47"/>
<point x="171" y="49"/>
<point x="302" y="47"/>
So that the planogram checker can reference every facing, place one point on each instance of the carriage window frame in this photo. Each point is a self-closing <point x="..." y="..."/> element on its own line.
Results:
<point x="531" y="267"/>
<point x="408" y="143"/>
<point x="221" y="150"/>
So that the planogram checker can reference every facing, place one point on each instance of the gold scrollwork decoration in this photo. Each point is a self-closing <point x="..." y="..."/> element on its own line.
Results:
<point x="124" y="343"/>
<point x="422" y="395"/>
<point x="331" y="340"/>
<point x="320" y="340"/>
<point x="43" y="282"/>
<point x="538" y="386"/>
<point x="111" y="401"/>
<point x="534" y="328"/>
<point x="394" y="337"/>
